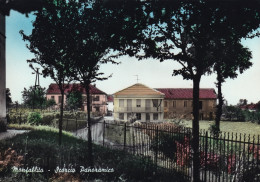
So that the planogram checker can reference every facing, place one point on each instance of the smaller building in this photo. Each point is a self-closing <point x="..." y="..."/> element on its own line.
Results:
<point x="98" y="97"/>
<point x="110" y="105"/>
<point x="250" y="107"/>
<point x="138" y="102"/>
<point x="178" y="103"/>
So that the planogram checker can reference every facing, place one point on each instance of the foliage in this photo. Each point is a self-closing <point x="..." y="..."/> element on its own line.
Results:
<point x="175" y="33"/>
<point x="252" y="116"/>
<point x="2" y="126"/>
<point x="34" y="118"/>
<point x="8" y="98"/>
<point x="34" y="97"/>
<point x="42" y="144"/>
<point x="8" y="159"/>
<point x="74" y="100"/>
<point x="50" y="103"/>
<point x="233" y="113"/>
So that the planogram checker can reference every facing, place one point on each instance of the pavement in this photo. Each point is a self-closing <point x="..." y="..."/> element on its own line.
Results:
<point x="11" y="133"/>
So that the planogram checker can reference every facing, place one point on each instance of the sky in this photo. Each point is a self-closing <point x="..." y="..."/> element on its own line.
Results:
<point x="150" y="72"/>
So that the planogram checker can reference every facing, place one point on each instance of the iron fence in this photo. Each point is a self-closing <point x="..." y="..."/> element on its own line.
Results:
<point x="226" y="157"/>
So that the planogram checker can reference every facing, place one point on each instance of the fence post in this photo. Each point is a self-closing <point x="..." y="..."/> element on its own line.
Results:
<point x="124" y="136"/>
<point x="76" y="126"/>
<point x="157" y="143"/>
<point x="206" y="155"/>
<point x="66" y="124"/>
<point x="104" y="128"/>
<point x="20" y="121"/>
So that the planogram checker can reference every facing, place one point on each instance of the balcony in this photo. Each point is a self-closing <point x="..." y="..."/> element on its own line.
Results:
<point x="138" y="109"/>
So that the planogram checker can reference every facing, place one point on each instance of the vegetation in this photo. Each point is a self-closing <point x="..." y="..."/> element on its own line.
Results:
<point x="8" y="98"/>
<point x="175" y="33"/>
<point x="39" y="148"/>
<point x="74" y="100"/>
<point x="34" y="118"/>
<point x="34" y="98"/>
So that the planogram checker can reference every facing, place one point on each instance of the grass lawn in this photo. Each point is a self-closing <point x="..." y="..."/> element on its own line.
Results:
<point x="228" y="126"/>
<point x="39" y="148"/>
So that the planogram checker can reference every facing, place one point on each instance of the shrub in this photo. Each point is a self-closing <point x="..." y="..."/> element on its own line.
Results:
<point x="2" y="126"/>
<point x="34" y="118"/>
<point x="47" y="119"/>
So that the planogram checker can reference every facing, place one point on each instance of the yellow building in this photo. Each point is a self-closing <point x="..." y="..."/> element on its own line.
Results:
<point x="178" y="103"/>
<point x="139" y="101"/>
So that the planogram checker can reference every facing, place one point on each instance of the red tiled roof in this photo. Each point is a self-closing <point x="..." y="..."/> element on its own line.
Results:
<point x="110" y="98"/>
<point x="249" y="106"/>
<point x="54" y="89"/>
<point x="187" y="93"/>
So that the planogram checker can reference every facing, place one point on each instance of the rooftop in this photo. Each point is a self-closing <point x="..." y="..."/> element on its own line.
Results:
<point x="187" y="93"/>
<point x="54" y="89"/>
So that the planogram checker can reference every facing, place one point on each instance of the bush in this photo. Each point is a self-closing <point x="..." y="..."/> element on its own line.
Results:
<point x="2" y="126"/>
<point x="34" y="118"/>
<point x="47" y="119"/>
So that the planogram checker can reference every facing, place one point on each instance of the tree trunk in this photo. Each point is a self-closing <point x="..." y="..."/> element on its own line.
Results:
<point x="220" y="101"/>
<point x="90" y="156"/>
<point x="61" y="116"/>
<point x="195" y="129"/>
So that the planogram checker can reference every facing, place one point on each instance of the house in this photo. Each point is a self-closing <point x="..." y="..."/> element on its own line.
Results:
<point x="178" y="102"/>
<point x="98" y="97"/>
<point x="110" y="104"/>
<point x="140" y="102"/>
<point x="250" y="107"/>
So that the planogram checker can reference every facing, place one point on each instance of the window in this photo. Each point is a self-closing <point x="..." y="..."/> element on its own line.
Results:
<point x="200" y="106"/>
<point x="97" y="109"/>
<point x="173" y="103"/>
<point x="52" y="97"/>
<point x="155" y="116"/>
<point x="165" y="103"/>
<point x="138" y="116"/>
<point x="96" y="98"/>
<point x="138" y="102"/>
<point x="121" y="116"/>
<point x="59" y="99"/>
<point x="121" y="102"/>
<point x="84" y="99"/>
<point x="185" y="103"/>
<point x="147" y="116"/>
<point x="155" y="102"/>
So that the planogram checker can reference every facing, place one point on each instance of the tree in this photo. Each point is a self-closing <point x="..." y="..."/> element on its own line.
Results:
<point x="34" y="97"/>
<point x="104" y="32"/>
<point x="242" y="102"/>
<point x="50" y="103"/>
<point x="74" y="99"/>
<point x="8" y="98"/>
<point x="231" y="57"/>
<point x="76" y="37"/>
<point x="185" y="30"/>
<point x="48" y="45"/>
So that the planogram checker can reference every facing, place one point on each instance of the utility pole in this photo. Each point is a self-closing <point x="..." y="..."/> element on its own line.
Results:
<point x="37" y="83"/>
<point x="23" y="6"/>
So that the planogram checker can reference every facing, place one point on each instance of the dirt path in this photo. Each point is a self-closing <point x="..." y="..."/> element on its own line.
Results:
<point x="11" y="133"/>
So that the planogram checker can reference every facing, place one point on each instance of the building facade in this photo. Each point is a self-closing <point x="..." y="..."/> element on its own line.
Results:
<point x="138" y="102"/>
<point x="98" y="97"/>
<point x="178" y="103"/>
<point x="2" y="70"/>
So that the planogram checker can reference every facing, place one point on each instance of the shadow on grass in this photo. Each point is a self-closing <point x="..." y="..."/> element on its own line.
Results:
<point x="40" y="150"/>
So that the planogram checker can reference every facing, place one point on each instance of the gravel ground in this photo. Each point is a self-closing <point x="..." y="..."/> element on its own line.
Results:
<point x="11" y="133"/>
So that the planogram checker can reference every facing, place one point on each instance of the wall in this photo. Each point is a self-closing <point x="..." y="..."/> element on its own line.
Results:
<point x="208" y="106"/>
<point x="2" y="70"/>
<point x="134" y="109"/>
